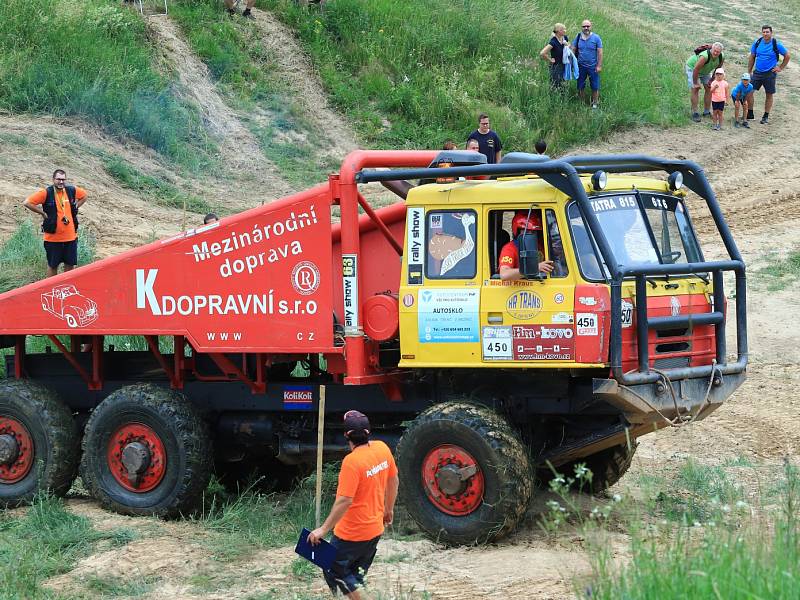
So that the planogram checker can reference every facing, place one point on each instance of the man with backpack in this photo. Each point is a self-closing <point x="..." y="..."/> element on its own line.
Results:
<point x="700" y="68"/>
<point x="58" y="206"/>
<point x="765" y="55"/>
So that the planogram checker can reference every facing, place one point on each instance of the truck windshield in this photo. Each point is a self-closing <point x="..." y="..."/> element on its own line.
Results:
<point x="642" y="228"/>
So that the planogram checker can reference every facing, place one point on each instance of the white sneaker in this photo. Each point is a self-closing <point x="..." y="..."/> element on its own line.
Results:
<point x="594" y="105"/>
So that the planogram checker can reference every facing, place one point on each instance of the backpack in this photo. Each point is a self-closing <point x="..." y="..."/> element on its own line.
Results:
<point x="707" y="49"/>
<point x="774" y="48"/>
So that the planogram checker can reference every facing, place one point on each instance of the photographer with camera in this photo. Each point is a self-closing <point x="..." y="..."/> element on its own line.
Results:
<point x="58" y="206"/>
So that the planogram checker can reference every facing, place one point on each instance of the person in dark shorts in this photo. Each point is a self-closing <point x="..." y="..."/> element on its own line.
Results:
<point x="764" y="68"/>
<point x="365" y="498"/>
<point x="58" y="206"/>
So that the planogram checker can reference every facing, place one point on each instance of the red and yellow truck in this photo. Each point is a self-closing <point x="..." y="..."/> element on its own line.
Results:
<point x="480" y="383"/>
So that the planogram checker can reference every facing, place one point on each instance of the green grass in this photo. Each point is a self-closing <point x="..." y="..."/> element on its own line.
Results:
<point x="251" y="519"/>
<point x="93" y="59"/>
<point x="413" y="74"/>
<point x="782" y="272"/>
<point x="159" y="190"/>
<point x="46" y="541"/>
<point x="742" y="557"/>
<point x="242" y="68"/>
<point x="112" y="586"/>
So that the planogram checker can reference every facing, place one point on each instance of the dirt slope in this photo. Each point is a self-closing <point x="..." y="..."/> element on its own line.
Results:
<point x="755" y="176"/>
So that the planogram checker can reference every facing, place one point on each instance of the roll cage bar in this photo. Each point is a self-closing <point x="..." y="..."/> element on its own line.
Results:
<point x="564" y="175"/>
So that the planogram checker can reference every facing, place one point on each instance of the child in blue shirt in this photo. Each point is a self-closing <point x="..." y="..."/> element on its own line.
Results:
<point x="742" y="96"/>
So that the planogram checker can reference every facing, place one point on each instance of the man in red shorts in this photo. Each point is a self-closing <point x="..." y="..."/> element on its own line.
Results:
<point x="364" y="504"/>
<point x="509" y="254"/>
<point x="58" y="205"/>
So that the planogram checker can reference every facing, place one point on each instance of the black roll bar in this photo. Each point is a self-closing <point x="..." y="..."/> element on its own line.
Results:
<point x="564" y="174"/>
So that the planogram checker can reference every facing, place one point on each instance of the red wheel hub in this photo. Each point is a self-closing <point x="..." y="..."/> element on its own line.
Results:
<point x="16" y="450"/>
<point x="136" y="457"/>
<point x="453" y="480"/>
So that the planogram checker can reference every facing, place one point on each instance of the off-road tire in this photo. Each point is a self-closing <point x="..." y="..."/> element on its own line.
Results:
<point x="607" y="467"/>
<point x="503" y="459"/>
<point x="187" y="446"/>
<point x="55" y="440"/>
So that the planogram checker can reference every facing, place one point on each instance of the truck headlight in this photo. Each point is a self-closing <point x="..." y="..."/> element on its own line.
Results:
<point x="599" y="180"/>
<point x="675" y="180"/>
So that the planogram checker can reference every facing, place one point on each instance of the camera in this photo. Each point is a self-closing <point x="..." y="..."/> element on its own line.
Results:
<point x="65" y="220"/>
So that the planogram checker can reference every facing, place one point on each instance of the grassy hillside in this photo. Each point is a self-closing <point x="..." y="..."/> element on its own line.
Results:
<point x="414" y="73"/>
<point x="93" y="59"/>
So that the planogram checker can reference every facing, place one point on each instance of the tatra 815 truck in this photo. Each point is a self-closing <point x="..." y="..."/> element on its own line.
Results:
<point x="480" y="382"/>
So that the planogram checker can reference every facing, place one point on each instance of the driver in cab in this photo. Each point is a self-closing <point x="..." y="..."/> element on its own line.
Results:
<point x="509" y="254"/>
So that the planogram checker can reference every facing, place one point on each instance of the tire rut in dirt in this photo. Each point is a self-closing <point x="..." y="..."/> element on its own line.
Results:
<point x="44" y="418"/>
<point x="502" y="459"/>
<point x="186" y="447"/>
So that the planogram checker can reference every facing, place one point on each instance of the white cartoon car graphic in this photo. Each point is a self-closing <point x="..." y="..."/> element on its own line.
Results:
<point x="68" y="304"/>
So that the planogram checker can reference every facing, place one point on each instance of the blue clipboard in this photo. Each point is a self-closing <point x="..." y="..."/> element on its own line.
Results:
<point x="323" y="555"/>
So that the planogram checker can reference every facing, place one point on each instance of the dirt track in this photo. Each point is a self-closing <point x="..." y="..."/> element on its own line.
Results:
<point x="754" y="174"/>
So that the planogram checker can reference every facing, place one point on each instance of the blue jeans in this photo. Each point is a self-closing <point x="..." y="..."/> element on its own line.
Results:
<point x="594" y="77"/>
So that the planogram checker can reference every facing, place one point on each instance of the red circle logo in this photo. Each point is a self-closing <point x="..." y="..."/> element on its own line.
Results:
<point x="305" y="278"/>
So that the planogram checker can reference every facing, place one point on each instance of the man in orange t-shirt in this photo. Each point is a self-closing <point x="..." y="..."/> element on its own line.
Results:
<point x="364" y="504"/>
<point x="58" y="205"/>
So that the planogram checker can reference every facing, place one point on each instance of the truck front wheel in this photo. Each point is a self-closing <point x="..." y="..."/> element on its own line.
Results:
<point x="465" y="476"/>
<point x="607" y="467"/>
<point x="146" y="451"/>
<point x="38" y="442"/>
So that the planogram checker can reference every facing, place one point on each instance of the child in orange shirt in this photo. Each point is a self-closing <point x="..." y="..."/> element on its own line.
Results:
<point x="719" y="96"/>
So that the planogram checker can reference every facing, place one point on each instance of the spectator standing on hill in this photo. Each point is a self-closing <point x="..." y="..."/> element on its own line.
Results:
<point x="699" y="72"/>
<point x="742" y="96"/>
<point x="231" y="5"/>
<point x="553" y="54"/>
<point x="764" y="68"/>
<point x="472" y="144"/>
<point x="488" y="141"/>
<point x="210" y="218"/>
<point x="449" y="145"/>
<point x="719" y="97"/>
<point x="58" y="206"/>
<point x="588" y="47"/>
<point x="365" y="498"/>
<point x="540" y="147"/>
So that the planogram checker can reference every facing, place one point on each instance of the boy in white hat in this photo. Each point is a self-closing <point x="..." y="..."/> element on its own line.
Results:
<point x="719" y="96"/>
<point x="742" y="96"/>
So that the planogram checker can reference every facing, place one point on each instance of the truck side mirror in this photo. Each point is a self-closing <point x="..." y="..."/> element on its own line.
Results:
<point x="529" y="255"/>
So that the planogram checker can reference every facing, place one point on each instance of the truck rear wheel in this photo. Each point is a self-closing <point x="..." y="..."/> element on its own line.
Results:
<point x="465" y="476"/>
<point x="146" y="451"/>
<point x="607" y="467"/>
<point x="38" y="442"/>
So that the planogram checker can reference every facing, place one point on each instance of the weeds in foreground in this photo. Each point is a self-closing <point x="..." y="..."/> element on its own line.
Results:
<point x="706" y="541"/>
<point x="45" y="541"/>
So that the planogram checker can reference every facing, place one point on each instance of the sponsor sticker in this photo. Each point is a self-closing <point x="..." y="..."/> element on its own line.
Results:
<point x="298" y="397"/>
<point x="558" y="298"/>
<point x="497" y="343"/>
<point x="675" y="306"/>
<point x="350" y="285"/>
<point x="524" y="305"/>
<point x="587" y="300"/>
<point x="561" y="317"/>
<point x="415" y="244"/>
<point x="543" y="342"/>
<point x="445" y="315"/>
<point x="408" y="300"/>
<point x="586" y="324"/>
